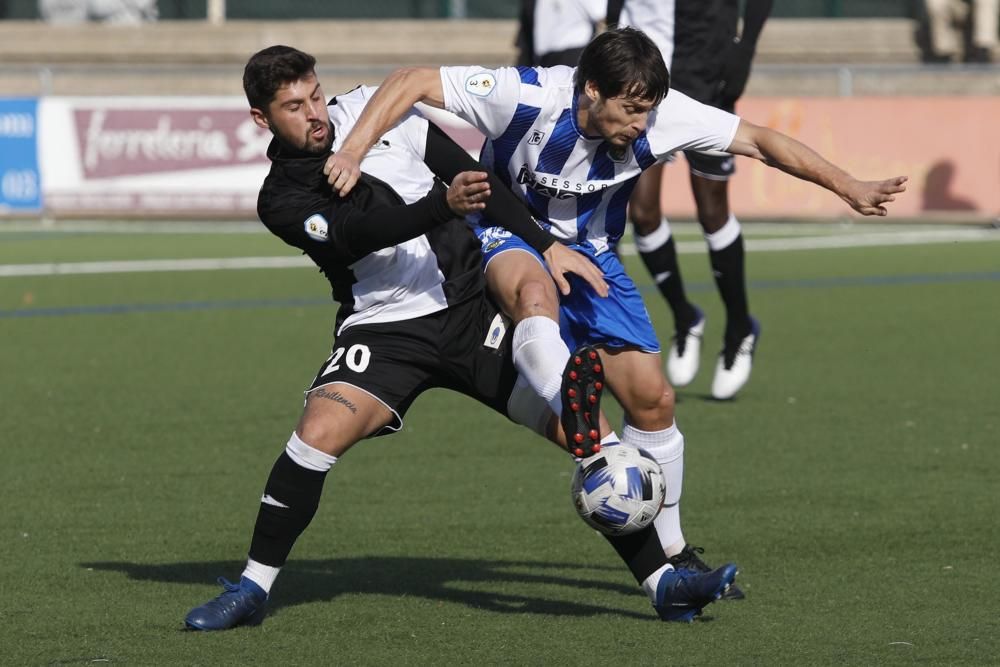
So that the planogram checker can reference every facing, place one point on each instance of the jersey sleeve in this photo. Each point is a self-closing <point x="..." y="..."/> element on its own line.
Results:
<point x="333" y="230"/>
<point x="411" y="128"/>
<point x="485" y="98"/>
<point x="682" y="123"/>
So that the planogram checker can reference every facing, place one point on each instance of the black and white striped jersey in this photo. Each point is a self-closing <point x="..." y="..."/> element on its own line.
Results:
<point x="407" y="279"/>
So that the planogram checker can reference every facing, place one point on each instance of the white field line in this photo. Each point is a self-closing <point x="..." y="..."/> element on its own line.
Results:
<point x="153" y="265"/>
<point x="862" y="240"/>
<point x="897" y="238"/>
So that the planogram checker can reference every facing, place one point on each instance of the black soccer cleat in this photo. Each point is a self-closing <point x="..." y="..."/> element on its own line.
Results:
<point x="688" y="559"/>
<point x="582" y="385"/>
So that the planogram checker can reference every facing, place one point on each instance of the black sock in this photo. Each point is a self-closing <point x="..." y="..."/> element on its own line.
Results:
<point x="662" y="265"/>
<point x="641" y="551"/>
<point x="728" y="267"/>
<point x="277" y="527"/>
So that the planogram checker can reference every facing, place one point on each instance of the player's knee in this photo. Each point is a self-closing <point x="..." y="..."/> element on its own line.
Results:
<point x="645" y="217"/>
<point x="537" y="296"/>
<point x="653" y="407"/>
<point x="713" y="215"/>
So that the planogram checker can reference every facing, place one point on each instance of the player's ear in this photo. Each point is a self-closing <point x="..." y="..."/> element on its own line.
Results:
<point x="591" y="91"/>
<point x="260" y="119"/>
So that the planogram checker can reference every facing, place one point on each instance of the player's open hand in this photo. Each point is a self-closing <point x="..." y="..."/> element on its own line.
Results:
<point x="562" y="260"/>
<point x="468" y="192"/>
<point x="342" y="171"/>
<point x="868" y="197"/>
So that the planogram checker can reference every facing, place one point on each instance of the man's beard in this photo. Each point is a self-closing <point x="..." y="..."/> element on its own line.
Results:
<point x="306" y="145"/>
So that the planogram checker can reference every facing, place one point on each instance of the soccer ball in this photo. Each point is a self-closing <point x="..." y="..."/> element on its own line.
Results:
<point x="619" y="490"/>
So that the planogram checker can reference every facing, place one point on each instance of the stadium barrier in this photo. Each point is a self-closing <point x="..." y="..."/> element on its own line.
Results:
<point x="204" y="157"/>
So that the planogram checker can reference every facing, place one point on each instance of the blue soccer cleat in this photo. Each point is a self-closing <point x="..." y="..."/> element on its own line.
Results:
<point x="240" y="604"/>
<point x="688" y="559"/>
<point x="682" y="594"/>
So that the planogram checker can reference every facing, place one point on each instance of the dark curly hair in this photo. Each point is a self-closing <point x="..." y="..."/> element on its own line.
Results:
<point x="269" y="69"/>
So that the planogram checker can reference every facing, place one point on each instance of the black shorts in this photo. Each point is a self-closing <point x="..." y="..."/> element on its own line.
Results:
<point x="712" y="167"/>
<point x="465" y="348"/>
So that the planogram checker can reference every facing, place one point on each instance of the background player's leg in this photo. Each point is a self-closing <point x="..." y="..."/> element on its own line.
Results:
<point x="726" y="254"/>
<point x="656" y="245"/>
<point x="725" y="241"/>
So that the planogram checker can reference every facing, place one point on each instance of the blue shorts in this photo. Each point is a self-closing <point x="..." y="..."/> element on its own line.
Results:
<point x="620" y="320"/>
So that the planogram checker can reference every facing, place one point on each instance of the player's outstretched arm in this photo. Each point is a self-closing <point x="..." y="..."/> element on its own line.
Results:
<point x="394" y="97"/>
<point x="781" y="151"/>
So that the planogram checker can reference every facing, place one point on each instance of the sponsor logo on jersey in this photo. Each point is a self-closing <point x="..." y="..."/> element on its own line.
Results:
<point x="557" y="187"/>
<point x="536" y="138"/>
<point x="317" y="228"/>
<point x="481" y="84"/>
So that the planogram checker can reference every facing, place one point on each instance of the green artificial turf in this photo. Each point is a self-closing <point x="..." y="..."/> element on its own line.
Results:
<point x="855" y="480"/>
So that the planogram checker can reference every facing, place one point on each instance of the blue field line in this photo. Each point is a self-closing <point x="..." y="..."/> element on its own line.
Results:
<point x="756" y="285"/>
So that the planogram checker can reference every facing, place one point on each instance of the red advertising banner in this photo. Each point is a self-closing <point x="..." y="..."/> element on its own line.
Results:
<point x="142" y="156"/>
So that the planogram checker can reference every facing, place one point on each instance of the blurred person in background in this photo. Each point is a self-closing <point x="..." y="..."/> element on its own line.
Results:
<point x="709" y="59"/>
<point x="554" y="32"/>
<point x="124" y="12"/>
<point x="960" y="30"/>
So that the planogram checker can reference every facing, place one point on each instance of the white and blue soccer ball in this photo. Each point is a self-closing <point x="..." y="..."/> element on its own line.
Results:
<point x="619" y="490"/>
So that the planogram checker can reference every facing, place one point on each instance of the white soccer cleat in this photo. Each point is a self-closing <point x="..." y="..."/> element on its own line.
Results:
<point x="685" y="353"/>
<point x="732" y="370"/>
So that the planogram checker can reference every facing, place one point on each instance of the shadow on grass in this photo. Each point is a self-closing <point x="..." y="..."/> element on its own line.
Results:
<point x="479" y="584"/>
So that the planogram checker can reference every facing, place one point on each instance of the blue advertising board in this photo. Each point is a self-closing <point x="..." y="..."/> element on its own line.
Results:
<point x="20" y="182"/>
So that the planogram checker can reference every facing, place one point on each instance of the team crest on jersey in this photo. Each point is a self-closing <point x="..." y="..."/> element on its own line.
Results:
<point x="493" y="237"/>
<point x="317" y="228"/>
<point x="497" y="330"/>
<point x="536" y="138"/>
<point x="481" y="84"/>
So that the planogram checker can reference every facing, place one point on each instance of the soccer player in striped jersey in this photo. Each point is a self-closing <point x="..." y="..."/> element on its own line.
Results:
<point x="414" y="314"/>
<point x="709" y="59"/>
<point x="572" y="143"/>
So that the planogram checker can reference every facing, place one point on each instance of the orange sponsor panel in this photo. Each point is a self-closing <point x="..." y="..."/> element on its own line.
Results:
<point x="949" y="147"/>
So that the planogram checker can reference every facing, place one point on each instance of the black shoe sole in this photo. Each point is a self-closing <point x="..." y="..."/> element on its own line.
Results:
<point x="582" y="386"/>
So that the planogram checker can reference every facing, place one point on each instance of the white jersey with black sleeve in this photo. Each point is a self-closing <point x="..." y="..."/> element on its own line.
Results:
<point x="579" y="185"/>
<point x="419" y="275"/>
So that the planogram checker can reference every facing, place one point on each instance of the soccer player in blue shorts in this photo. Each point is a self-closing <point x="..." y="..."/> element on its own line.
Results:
<point x="414" y="314"/>
<point x="572" y="143"/>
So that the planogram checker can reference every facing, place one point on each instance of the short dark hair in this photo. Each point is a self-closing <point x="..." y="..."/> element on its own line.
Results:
<point x="624" y="61"/>
<point x="269" y="69"/>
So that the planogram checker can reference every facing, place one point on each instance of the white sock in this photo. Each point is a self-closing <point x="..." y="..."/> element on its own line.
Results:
<point x="667" y="447"/>
<point x="260" y="574"/>
<point x="724" y="238"/>
<point x="651" y="582"/>
<point x="540" y="356"/>
<point x="308" y="456"/>
<point x="655" y="239"/>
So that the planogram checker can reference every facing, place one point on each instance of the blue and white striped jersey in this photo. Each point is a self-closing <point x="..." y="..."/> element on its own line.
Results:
<point x="580" y="185"/>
